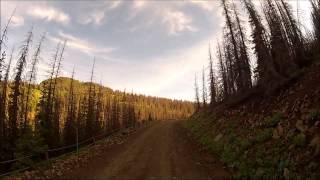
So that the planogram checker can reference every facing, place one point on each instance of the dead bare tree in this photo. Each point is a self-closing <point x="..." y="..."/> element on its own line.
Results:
<point x="45" y="113"/>
<point x="32" y="76"/>
<point x="233" y="42"/>
<point x="2" y="43"/>
<point x="90" y="119"/>
<point x="4" y="100"/>
<point x="204" y="88"/>
<point x="295" y="37"/>
<point x="212" y="81"/>
<point x="280" y="49"/>
<point x="71" y="126"/>
<point x="223" y="73"/>
<point x="14" y="104"/>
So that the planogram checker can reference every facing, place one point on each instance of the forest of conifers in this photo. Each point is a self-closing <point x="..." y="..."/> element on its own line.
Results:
<point x="282" y="48"/>
<point x="36" y="117"/>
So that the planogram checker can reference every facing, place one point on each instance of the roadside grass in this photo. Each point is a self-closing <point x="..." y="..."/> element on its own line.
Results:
<point x="47" y="164"/>
<point x="251" y="153"/>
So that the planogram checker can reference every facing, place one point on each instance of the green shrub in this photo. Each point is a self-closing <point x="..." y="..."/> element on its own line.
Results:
<point x="299" y="140"/>
<point x="28" y="144"/>
<point x="273" y="120"/>
<point x="205" y="139"/>
<point x="245" y="170"/>
<point x="232" y="137"/>
<point x="244" y="144"/>
<point x="228" y="155"/>
<point x="314" y="115"/>
<point x="263" y="135"/>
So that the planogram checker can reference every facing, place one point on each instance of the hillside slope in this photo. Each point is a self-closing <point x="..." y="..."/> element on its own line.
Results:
<point x="276" y="135"/>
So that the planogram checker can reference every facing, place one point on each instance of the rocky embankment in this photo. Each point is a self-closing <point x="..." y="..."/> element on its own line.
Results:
<point x="274" y="136"/>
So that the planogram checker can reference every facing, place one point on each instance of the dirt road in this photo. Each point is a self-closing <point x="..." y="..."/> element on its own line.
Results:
<point x="161" y="151"/>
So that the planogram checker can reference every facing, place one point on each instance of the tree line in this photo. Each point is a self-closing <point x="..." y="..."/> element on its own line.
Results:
<point x="36" y="117"/>
<point x="282" y="48"/>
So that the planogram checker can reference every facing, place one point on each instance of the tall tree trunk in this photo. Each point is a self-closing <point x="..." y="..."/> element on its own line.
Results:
<point x="32" y="75"/>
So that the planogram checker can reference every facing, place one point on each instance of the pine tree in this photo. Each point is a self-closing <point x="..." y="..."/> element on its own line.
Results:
<point x="57" y="101"/>
<point x="32" y="76"/>
<point x="204" y="89"/>
<point x="91" y="106"/>
<point x="293" y="33"/>
<point x="3" y="39"/>
<point x="280" y="50"/>
<point x="15" y="96"/>
<point x="82" y="116"/>
<point x="99" y="110"/>
<point x="266" y="73"/>
<point x="107" y="112"/>
<point x="70" y="126"/>
<point x="197" y="97"/>
<point x="45" y="116"/>
<point x="316" y="20"/>
<point x="233" y="42"/>
<point x="230" y="69"/>
<point x="115" y="114"/>
<point x="131" y="112"/>
<point x="212" y="80"/>
<point x="150" y="117"/>
<point x="245" y="62"/>
<point x="4" y="105"/>
<point x="223" y="73"/>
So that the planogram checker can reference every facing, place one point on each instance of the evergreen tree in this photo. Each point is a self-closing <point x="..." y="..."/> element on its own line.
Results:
<point x="245" y="62"/>
<point x="223" y="73"/>
<point x="32" y="76"/>
<point x="91" y="116"/>
<point x="316" y="20"/>
<point x="70" y="126"/>
<point x="233" y="42"/>
<point x="4" y="148"/>
<point x="204" y="89"/>
<point x="45" y="114"/>
<point x="266" y="73"/>
<point x="280" y="50"/>
<point x="3" y="39"/>
<point x="14" y="107"/>
<point x="197" y="97"/>
<point x="99" y="110"/>
<point x="212" y="81"/>
<point x="115" y="113"/>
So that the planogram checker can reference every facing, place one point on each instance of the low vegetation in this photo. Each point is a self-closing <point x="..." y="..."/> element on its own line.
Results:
<point x="256" y="152"/>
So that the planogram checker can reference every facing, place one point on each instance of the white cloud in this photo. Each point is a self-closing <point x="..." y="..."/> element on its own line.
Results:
<point x="115" y="4"/>
<point x="96" y="18"/>
<point x="17" y="21"/>
<point x="83" y="45"/>
<point x="206" y="5"/>
<point x="177" y="22"/>
<point x="139" y="4"/>
<point x="97" y="14"/>
<point x="49" y="14"/>
<point x="136" y="8"/>
<point x="169" y="14"/>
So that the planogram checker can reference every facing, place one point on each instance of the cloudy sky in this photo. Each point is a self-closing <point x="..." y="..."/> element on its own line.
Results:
<point x="150" y="47"/>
